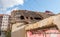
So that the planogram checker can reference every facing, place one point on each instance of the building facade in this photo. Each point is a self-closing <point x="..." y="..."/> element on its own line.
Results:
<point x="1" y="16"/>
<point x="18" y="30"/>
<point x="5" y="24"/>
<point x="24" y="17"/>
<point x="27" y="16"/>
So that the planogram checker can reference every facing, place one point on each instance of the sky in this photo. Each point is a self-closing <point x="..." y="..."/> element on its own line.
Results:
<point x="6" y="6"/>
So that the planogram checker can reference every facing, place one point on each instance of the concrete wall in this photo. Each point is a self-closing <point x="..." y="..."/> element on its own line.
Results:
<point x="19" y="33"/>
<point x="18" y="30"/>
<point x="29" y="16"/>
<point x="46" y="22"/>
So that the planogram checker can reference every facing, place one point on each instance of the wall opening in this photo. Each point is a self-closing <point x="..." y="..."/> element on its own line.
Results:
<point x="27" y="17"/>
<point x="37" y="18"/>
<point x="31" y="18"/>
<point x="22" y="17"/>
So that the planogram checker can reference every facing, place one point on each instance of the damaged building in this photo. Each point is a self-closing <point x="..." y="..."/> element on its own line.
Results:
<point x="29" y="16"/>
<point x="20" y="18"/>
<point x="49" y="27"/>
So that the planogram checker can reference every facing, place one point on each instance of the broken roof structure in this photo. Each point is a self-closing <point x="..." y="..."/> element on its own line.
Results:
<point x="44" y="28"/>
<point x="29" y="20"/>
<point x="28" y="16"/>
<point x="53" y="20"/>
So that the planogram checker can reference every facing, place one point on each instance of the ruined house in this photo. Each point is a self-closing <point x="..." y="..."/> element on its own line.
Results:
<point x="20" y="18"/>
<point x="28" y="16"/>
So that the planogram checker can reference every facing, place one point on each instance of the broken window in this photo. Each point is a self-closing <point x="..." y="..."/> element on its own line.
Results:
<point x="31" y="18"/>
<point x="37" y="18"/>
<point x="22" y="17"/>
<point x="27" y="17"/>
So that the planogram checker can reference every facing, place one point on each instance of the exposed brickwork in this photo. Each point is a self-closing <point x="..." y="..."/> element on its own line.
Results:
<point x="27" y="16"/>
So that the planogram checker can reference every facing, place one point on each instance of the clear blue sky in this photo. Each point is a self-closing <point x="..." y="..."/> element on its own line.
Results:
<point x="39" y="5"/>
<point x="42" y="5"/>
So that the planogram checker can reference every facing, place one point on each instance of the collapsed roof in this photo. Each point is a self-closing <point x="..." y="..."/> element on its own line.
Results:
<point x="53" y="20"/>
<point x="28" y="16"/>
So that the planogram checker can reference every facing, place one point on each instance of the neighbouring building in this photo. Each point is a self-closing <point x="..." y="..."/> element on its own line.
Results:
<point x="5" y="24"/>
<point x="20" y="18"/>
<point x="1" y="16"/>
